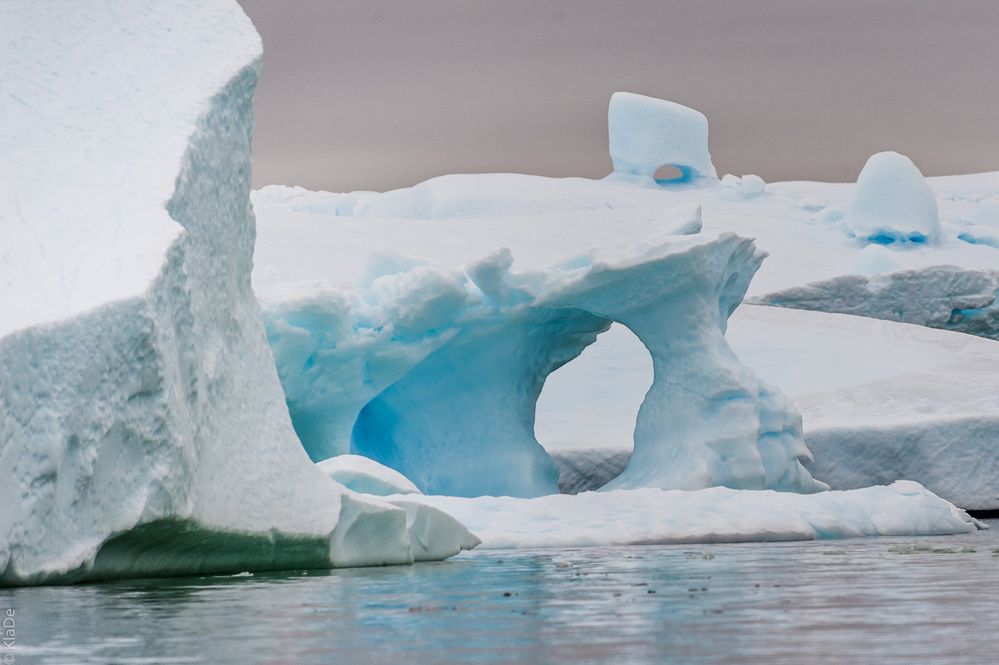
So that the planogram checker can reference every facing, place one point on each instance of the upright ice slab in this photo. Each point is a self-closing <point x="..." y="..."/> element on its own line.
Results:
<point x="646" y="133"/>
<point x="142" y="425"/>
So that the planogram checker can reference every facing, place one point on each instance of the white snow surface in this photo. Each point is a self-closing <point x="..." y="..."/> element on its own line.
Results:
<point x="718" y="514"/>
<point x="142" y="426"/>
<point x="360" y="474"/>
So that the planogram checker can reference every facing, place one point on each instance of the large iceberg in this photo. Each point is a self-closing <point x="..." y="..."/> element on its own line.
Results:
<point x="142" y="425"/>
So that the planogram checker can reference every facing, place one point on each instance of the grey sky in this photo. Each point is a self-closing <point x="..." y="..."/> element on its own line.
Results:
<point x="366" y="94"/>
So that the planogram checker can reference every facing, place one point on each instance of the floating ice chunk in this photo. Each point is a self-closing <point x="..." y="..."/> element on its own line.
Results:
<point x="366" y="476"/>
<point x="892" y="203"/>
<point x="646" y="133"/>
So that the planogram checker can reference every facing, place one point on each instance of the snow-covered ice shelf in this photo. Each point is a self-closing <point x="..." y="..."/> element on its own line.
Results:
<point x="653" y="516"/>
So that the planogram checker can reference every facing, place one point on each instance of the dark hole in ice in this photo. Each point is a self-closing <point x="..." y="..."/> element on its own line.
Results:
<point x="669" y="173"/>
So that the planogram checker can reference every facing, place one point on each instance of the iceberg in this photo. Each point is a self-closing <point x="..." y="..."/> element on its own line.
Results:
<point x="143" y="429"/>
<point x="436" y="373"/>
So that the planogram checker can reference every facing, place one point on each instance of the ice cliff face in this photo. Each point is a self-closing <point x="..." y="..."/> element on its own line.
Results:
<point x="142" y="426"/>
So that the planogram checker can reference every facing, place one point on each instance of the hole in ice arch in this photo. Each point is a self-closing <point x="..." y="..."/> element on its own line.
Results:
<point x="670" y="173"/>
<point x="586" y="413"/>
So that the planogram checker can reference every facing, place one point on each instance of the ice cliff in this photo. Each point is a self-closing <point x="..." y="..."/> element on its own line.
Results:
<point x="142" y="425"/>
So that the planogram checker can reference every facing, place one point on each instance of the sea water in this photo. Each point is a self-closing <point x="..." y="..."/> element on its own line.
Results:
<point x="925" y="600"/>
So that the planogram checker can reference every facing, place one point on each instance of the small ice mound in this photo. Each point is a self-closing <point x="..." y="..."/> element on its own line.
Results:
<point x="892" y="204"/>
<point x="875" y="259"/>
<point x="647" y="133"/>
<point x="748" y="186"/>
<point x="366" y="476"/>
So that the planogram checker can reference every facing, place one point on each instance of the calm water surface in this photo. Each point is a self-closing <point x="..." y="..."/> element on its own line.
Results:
<point x="919" y="600"/>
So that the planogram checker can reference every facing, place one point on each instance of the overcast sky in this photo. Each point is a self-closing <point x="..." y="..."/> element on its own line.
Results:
<point x="366" y="94"/>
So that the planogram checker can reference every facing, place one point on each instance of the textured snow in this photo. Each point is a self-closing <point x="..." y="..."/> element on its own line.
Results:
<point x="880" y="401"/>
<point x="646" y="133"/>
<point x="366" y="476"/>
<point x="142" y="425"/>
<point x="719" y="514"/>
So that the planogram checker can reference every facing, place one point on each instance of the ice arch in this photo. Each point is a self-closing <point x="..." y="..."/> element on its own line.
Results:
<point x="450" y="368"/>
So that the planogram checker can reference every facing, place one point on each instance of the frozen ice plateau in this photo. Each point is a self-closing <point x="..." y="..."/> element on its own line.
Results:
<point x="196" y="378"/>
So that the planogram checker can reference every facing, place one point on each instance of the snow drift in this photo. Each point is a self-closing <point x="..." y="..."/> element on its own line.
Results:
<point x="142" y="427"/>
